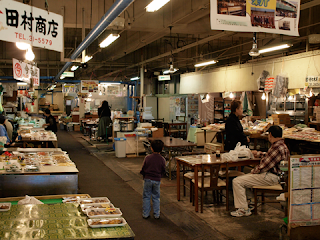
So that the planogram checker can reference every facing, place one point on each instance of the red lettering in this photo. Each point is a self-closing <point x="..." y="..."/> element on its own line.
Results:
<point x="20" y="35"/>
<point x="16" y="34"/>
<point x="23" y="37"/>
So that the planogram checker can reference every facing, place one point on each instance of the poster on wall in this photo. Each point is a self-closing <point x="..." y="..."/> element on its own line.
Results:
<point x="89" y="86"/>
<point x="24" y="23"/>
<point x="113" y="90"/>
<point x="25" y="72"/>
<point x="270" y="16"/>
<point x="304" y="209"/>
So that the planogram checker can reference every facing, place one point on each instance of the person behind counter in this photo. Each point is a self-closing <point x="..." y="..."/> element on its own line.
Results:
<point x="104" y="120"/>
<point x="234" y="130"/>
<point x="267" y="173"/>
<point x="51" y="124"/>
<point x="3" y="131"/>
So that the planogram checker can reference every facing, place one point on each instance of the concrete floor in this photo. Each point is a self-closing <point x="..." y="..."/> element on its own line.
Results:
<point x="178" y="218"/>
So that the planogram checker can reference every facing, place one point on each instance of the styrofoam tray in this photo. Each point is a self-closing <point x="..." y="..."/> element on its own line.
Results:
<point x="94" y="200"/>
<point x="102" y="213"/>
<point x="106" y="220"/>
<point x="84" y="207"/>
<point x="5" y="204"/>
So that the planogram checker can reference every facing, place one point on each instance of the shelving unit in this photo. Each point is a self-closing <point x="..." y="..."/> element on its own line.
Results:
<point x="222" y="109"/>
<point x="296" y="108"/>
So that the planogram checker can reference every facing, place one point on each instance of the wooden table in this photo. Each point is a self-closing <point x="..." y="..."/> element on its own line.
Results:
<point x="196" y="161"/>
<point x="175" y="127"/>
<point x="221" y="132"/>
<point x="174" y="143"/>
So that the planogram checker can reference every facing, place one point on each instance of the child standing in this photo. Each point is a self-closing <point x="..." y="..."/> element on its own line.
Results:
<point x="153" y="168"/>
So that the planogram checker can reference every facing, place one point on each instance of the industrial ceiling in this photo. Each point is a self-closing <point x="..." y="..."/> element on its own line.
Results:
<point x="179" y="32"/>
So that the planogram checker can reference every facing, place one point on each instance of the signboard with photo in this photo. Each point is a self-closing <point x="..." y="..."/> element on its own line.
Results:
<point x="89" y="86"/>
<point x="270" y="16"/>
<point x="113" y="90"/>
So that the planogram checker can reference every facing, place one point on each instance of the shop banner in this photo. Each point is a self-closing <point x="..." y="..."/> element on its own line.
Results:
<point x="312" y="81"/>
<point x="22" y="23"/>
<point x="25" y="72"/>
<point x="89" y="86"/>
<point x="270" y="16"/>
<point x="67" y="88"/>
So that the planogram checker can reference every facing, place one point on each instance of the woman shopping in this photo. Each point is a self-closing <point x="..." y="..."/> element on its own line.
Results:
<point x="234" y="130"/>
<point x="104" y="128"/>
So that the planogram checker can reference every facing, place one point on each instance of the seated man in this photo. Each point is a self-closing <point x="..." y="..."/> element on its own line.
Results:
<point x="265" y="174"/>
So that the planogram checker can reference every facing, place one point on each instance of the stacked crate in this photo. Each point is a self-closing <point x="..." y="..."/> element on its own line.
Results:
<point x="281" y="119"/>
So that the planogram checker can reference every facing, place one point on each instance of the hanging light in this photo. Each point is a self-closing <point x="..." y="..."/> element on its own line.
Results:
<point x="290" y="98"/>
<point x="275" y="48"/>
<point x="155" y="5"/>
<point x="29" y="55"/>
<point x="134" y="78"/>
<point x="100" y="93"/>
<point x="231" y="95"/>
<point x="74" y="68"/>
<point x="90" y="95"/>
<point x="205" y="63"/>
<point x="110" y="39"/>
<point x="23" y="45"/>
<point x="263" y="97"/>
<point x="254" y="52"/>
<point x="87" y="58"/>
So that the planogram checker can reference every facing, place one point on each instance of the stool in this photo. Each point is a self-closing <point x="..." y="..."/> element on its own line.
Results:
<point x="265" y="189"/>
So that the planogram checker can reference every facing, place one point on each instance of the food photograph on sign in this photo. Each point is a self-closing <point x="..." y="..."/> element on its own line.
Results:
<point x="271" y="16"/>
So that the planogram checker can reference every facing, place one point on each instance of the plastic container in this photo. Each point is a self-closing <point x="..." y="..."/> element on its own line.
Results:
<point x="114" y="222"/>
<point x="120" y="145"/>
<point x="103" y="213"/>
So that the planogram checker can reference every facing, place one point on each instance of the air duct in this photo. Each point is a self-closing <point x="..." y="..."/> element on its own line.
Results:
<point x="116" y="9"/>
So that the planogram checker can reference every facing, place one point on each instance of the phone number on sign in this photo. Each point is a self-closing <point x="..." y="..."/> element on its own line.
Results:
<point x="33" y="39"/>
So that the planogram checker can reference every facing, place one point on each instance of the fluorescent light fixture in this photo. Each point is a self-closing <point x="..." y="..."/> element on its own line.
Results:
<point x="87" y="58"/>
<point x="110" y="39"/>
<point x="29" y="55"/>
<point x="108" y="84"/>
<point x="74" y="68"/>
<point x="62" y="77"/>
<point x="205" y="63"/>
<point x="275" y="48"/>
<point x="134" y="78"/>
<point x="23" y="45"/>
<point x="168" y="71"/>
<point x="22" y="83"/>
<point x="155" y="5"/>
<point x="263" y="97"/>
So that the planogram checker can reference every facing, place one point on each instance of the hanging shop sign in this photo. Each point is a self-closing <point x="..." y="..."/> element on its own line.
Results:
<point x="67" y="88"/>
<point x="113" y="90"/>
<point x="89" y="86"/>
<point x="164" y="77"/>
<point x="26" y="72"/>
<point x="312" y="81"/>
<point x="23" y="23"/>
<point x="270" y="16"/>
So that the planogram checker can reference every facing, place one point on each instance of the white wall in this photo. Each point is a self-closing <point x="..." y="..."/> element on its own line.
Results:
<point x="163" y="108"/>
<point x="239" y="78"/>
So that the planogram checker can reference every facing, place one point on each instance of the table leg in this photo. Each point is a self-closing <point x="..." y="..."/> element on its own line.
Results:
<point x="183" y="181"/>
<point x="227" y="187"/>
<point x="196" y="188"/>
<point x="170" y="155"/>
<point x="178" y="181"/>
<point x="24" y="144"/>
<point x="47" y="144"/>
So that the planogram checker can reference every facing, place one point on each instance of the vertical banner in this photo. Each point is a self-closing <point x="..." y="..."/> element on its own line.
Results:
<point x="270" y="16"/>
<point x="25" y="72"/>
<point x="23" y="23"/>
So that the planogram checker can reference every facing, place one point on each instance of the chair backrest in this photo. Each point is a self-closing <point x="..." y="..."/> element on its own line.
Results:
<point x="214" y="175"/>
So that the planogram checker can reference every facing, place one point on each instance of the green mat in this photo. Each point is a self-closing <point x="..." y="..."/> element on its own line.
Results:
<point x="45" y="201"/>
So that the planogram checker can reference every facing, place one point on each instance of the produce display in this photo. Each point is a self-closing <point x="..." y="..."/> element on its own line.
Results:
<point x="36" y="134"/>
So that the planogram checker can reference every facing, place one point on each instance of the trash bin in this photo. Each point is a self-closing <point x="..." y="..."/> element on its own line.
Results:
<point x="120" y="145"/>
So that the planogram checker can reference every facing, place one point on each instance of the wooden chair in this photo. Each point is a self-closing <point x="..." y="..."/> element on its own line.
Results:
<point x="189" y="176"/>
<point x="265" y="189"/>
<point x="212" y="183"/>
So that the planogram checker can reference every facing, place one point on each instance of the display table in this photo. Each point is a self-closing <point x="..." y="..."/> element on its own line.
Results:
<point x="54" y="221"/>
<point x="48" y="180"/>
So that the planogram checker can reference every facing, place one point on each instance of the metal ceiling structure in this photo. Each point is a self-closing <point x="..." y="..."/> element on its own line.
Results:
<point x="180" y="30"/>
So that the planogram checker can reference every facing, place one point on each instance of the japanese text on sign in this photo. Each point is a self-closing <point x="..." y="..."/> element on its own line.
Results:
<point x="23" y="23"/>
<point x="312" y="81"/>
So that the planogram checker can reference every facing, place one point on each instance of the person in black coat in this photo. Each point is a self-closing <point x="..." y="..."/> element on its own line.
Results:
<point x="234" y="130"/>
<point x="51" y="124"/>
<point x="104" y="121"/>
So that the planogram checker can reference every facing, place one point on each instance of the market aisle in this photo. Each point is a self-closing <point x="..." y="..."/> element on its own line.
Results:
<point x="98" y="180"/>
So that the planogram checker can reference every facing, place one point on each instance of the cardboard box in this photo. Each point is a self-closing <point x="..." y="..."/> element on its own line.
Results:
<point x="278" y="121"/>
<point x="280" y="116"/>
<point x="213" y="147"/>
<point x="76" y="128"/>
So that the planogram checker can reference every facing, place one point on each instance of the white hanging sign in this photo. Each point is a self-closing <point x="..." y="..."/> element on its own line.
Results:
<point x="23" y="23"/>
<point x="26" y="72"/>
<point x="312" y="81"/>
<point x="270" y="16"/>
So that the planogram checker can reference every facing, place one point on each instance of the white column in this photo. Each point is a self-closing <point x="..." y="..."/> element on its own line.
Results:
<point x="141" y="84"/>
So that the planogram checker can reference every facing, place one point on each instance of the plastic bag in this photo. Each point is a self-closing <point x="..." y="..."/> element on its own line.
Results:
<point x="262" y="79"/>
<point x="29" y="200"/>
<point x="238" y="152"/>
